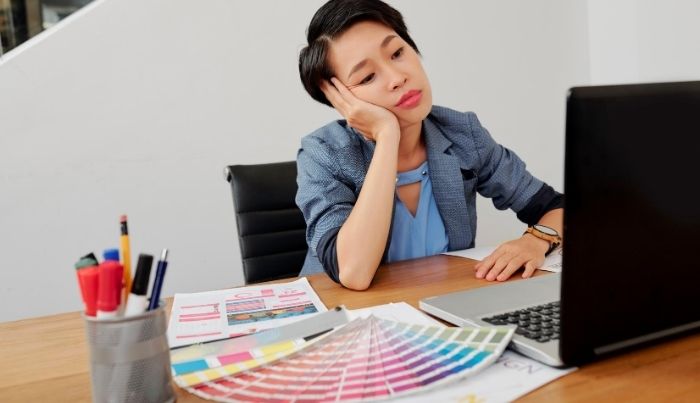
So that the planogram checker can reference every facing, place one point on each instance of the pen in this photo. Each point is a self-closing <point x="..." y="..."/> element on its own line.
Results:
<point x="126" y="257"/>
<point x="137" y="303"/>
<point x="158" y="281"/>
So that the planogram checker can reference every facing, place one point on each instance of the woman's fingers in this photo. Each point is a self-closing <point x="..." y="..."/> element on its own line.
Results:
<point x="509" y="258"/>
<point x="368" y="119"/>
<point x="333" y="95"/>
<point x="500" y="265"/>
<point x="344" y="92"/>
<point x="485" y="265"/>
<point x="344" y="97"/>
<point x="515" y="264"/>
<point x="530" y="268"/>
<point x="490" y="267"/>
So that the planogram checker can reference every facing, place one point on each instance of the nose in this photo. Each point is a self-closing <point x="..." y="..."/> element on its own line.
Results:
<point x="397" y="78"/>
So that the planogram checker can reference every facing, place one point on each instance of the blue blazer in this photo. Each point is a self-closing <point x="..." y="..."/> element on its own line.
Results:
<point x="463" y="159"/>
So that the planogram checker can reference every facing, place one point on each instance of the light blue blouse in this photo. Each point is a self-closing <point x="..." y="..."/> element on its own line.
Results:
<point x="424" y="234"/>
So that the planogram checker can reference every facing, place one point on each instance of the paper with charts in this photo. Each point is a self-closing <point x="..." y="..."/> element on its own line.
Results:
<point x="213" y="315"/>
<point x="366" y="359"/>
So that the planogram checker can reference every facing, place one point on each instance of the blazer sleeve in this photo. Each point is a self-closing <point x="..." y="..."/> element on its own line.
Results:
<point x="324" y="199"/>
<point x="502" y="175"/>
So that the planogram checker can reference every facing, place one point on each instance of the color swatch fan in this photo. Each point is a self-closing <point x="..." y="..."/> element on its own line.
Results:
<point x="209" y="361"/>
<point x="367" y="359"/>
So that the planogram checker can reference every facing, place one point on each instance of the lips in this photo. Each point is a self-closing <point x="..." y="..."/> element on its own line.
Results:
<point x="409" y="99"/>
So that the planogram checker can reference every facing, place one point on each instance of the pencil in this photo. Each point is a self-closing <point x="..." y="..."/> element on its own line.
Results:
<point x="126" y="257"/>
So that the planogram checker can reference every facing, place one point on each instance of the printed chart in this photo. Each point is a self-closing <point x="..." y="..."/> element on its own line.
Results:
<point x="213" y="315"/>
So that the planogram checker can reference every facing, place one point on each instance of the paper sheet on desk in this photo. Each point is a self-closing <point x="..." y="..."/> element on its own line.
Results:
<point x="510" y="377"/>
<point x="396" y="311"/>
<point x="551" y="263"/>
<point x="213" y="315"/>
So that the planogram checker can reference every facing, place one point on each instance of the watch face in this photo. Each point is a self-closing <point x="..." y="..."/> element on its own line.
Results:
<point x="546" y="230"/>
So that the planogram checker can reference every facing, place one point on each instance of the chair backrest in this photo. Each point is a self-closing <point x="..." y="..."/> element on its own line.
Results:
<point x="271" y="228"/>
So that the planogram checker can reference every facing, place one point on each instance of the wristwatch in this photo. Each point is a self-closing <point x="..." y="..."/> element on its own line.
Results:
<point x="548" y="234"/>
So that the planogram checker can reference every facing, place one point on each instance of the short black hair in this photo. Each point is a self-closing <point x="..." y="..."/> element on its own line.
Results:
<point x="332" y="20"/>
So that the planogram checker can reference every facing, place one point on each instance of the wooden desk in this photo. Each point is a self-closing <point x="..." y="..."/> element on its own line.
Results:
<point x="46" y="359"/>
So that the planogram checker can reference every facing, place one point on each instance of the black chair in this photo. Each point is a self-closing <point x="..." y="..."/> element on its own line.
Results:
<point x="271" y="228"/>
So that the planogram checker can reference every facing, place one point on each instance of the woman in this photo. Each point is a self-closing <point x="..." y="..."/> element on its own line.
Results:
<point x="397" y="179"/>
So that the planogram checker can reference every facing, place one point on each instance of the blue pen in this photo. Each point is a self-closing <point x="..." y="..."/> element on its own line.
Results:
<point x="158" y="281"/>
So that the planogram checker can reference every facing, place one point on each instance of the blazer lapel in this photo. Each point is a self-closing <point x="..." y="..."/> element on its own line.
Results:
<point x="448" y="189"/>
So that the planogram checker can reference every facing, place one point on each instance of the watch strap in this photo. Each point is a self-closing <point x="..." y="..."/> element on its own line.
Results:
<point x="554" y="240"/>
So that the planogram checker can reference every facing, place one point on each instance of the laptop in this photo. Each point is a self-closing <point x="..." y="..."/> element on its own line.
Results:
<point x="631" y="253"/>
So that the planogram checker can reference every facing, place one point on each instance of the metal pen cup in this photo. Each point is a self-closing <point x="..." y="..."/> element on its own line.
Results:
<point x="130" y="358"/>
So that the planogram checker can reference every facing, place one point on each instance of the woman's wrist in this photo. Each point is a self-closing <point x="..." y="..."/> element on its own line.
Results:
<point x="542" y="245"/>
<point x="388" y="136"/>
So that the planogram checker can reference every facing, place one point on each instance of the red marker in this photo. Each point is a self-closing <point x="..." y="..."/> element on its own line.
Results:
<point x="88" y="280"/>
<point x="110" y="278"/>
<point x="86" y="270"/>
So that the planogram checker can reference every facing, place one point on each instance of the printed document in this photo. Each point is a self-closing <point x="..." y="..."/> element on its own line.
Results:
<point x="214" y="315"/>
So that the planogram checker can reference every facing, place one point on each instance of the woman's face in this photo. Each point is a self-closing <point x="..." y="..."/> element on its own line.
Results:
<point x="381" y="68"/>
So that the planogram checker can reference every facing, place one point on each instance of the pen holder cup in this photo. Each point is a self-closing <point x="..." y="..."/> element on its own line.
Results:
<point x="130" y="358"/>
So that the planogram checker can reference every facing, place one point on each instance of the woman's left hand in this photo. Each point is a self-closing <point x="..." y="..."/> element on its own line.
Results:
<point x="527" y="251"/>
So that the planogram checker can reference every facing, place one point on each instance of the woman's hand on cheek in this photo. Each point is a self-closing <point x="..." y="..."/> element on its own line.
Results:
<point x="371" y="120"/>
<point x="526" y="251"/>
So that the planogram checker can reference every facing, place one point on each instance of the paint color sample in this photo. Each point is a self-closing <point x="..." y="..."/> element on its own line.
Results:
<point x="367" y="359"/>
<point x="260" y="347"/>
<point x="278" y="349"/>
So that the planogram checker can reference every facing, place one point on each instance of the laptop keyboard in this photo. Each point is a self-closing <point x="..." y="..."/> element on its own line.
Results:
<point x="540" y="323"/>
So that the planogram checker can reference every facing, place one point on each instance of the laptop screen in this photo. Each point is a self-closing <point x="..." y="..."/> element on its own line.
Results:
<point x="631" y="265"/>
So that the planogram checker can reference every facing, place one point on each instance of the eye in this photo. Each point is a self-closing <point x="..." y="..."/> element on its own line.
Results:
<point x="398" y="53"/>
<point x="367" y="79"/>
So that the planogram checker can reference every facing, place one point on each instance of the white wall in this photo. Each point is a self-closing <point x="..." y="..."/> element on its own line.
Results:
<point x="135" y="106"/>
<point x="644" y="40"/>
